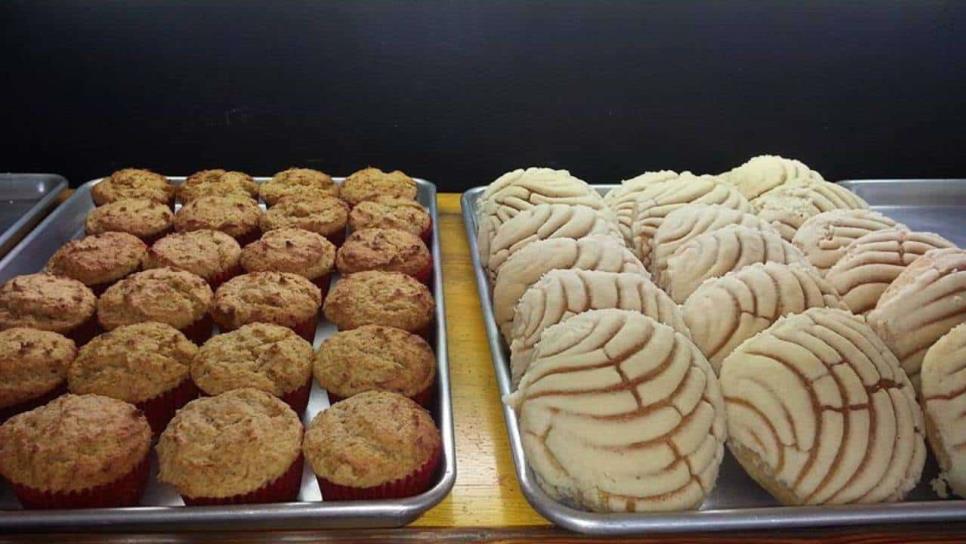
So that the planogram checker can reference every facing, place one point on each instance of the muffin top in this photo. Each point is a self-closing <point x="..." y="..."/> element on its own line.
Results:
<point x="217" y="183"/>
<point x="140" y="217"/>
<point x="390" y="212"/>
<point x="326" y="215"/>
<point x="370" y="183"/>
<point x="299" y="182"/>
<point x="268" y="357"/>
<point x="371" y="439"/>
<point x="133" y="183"/>
<point x="32" y="363"/>
<point x="170" y="296"/>
<point x="373" y="357"/>
<point x="101" y="258"/>
<point x="62" y="447"/>
<point x="46" y="302"/>
<point x="281" y="298"/>
<point x="383" y="249"/>
<point x="380" y="298"/>
<point x="298" y="251"/>
<point x="233" y="215"/>
<point x="228" y="445"/>
<point x="204" y="252"/>
<point x="133" y="363"/>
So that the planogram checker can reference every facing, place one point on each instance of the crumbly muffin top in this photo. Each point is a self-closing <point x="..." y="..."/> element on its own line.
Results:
<point x="229" y="445"/>
<point x="326" y="215"/>
<point x="133" y="363"/>
<point x="370" y="439"/>
<point x="370" y="183"/>
<point x="100" y="258"/>
<point x="204" y="252"/>
<point x="74" y="442"/>
<point x="140" y="217"/>
<point x="233" y="215"/>
<point x="299" y="182"/>
<point x="380" y="298"/>
<point x="375" y="358"/>
<point x="281" y="298"/>
<point x="383" y="249"/>
<point x="298" y="251"/>
<point x="46" y="302"/>
<point x="170" y="296"/>
<point x="217" y="183"/>
<point x="390" y="212"/>
<point x="133" y="183"/>
<point x="32" y="363"/>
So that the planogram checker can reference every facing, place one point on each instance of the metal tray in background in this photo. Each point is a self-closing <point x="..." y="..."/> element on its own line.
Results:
<point x="737" y="502"/>
<point x="162" y="508"/>
<point x="24" y="198"/>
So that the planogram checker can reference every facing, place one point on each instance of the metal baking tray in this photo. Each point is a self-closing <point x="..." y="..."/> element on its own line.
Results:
<point x="162" y="508"/>
<point x="24" y="198"/>
<point x="737" y="502"/>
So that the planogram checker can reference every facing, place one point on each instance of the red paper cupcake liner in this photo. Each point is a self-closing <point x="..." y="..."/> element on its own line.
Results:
<point x="125" y="491"/>
<point x="322" y="282"/>
<point x="84" y="332"/>
<point x="30" y="404"/>
<point x="337" y="237"/>
<point x="413" y="484"/>
<point x="199" y="331"/>
<point x="427" y="234"/>
<point x="152" y="238"/>
<point x="306" y="329"/>
<point x="215" y="281"/>
<point x="299" y="398"/>
<point x="425" y="274"/>
<point x="285" y="488"/>
<point x="423" y="398"/>
<point x="248" y="237"/>
<point x="160" y="409"/>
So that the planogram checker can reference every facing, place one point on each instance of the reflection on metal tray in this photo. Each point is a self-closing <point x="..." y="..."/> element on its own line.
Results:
<point x="737" y="502"/>
<point x="24" y="198"/>
<point x="162" y="508"/>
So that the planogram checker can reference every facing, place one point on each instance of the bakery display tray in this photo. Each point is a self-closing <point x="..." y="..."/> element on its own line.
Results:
<point x="24" y="198"/>
<point x="162" y="508"/>
<point x="737" y="502"/>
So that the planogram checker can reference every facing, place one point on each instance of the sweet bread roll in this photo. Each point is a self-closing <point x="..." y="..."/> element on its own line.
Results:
<point x="561" y="294"/>
<point x="620" y="413"/>
<point x="765" y="172"/>
<point x="819" y="412"/>
<point x="527" y="266"/>
<point x="724" y="312"/>
<point x="623" y="199"/>
<point x="714" y="254"/>
<point x="789" y="206"/>
<point x="872" y="261"/>
<point x="944" y="404"/>
<point x="923" y="303"/>
<point x="824" y="237"/>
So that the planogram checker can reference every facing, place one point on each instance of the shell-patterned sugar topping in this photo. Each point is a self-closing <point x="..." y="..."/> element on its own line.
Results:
<point x="561" y="294"/>
<point x="823" y="238"/>
<point x="623" y="199"/>
<point x="944" y="403"/>
<point x="788" y="207"/>
<point x="620" y="413"/>
<point x="820" y="412"/>
<point x="765" y="172"/>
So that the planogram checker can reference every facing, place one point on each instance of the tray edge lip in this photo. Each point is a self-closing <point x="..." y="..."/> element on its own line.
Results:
<point x="22" y="226"/>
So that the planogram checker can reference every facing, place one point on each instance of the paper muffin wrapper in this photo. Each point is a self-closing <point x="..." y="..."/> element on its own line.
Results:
<point x="248" y="237"/>
<point x="423" y="398"/>
<point x="413" y="484"/>
<point x="322" y="282"/>
<point x="30" y="404"/>
<point x="215" y="281"/>
<point x="152" y="238"/>
<point x="84" y="332"/>
<point x="427" y="233"/>
<point x="285" y="488"/>
<point x="337" y="237"/>
<point x="306" y="329"/>
<point x="124" y="491"/>
<point x="299" y="398"/>
<point x="425" y="274"/>
<point x="160" y="409"/>
<point x="199" y="331"/>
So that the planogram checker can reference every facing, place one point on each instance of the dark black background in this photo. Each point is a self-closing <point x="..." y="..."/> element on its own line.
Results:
<point x="459" y="92"/>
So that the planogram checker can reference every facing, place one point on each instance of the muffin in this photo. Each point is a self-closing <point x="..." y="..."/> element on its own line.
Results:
<point x="281" y="298"/>
<point x="380" y="298"/>
<point x="33" y="368"/>
<point x="49" y="303"/>
<point x="236" y="216"/>
<point x="217" y="183"/>
<point x="292" y="250"/>
<point x="389" y="212"/>
<point x="133" y="183"/>
<point x="376" y="358"/>
<point x="145" y="364"/>
<point x="100" y="260"/>
<point x="326" y="216"/>
<point x="369" y="183"/>
<point x="375" y="445"/>
<point x="56" y="456"/>
<point x="298" y="182"/>
<point x="178" y="298"/>
<point x="146" y="219"/>
<point x="211" y="254"/>
<point x="385" y="249"/>
<point x="241" y="447"/>
<point x="262" y="356"/>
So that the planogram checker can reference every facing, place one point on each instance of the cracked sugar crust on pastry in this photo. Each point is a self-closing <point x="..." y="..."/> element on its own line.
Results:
<point x="824" y="238"/>
<point x="561" y="294"/>
<point x="300" y="182"/>
<point x="789" y="206"/>
<point x="944" y="404"/>
<point x="724" y="312"/>
<point x="623" y="199"/>
<point x="620" y="413"/>
<point x="765" y="172"/>
<point x="820" y="412"/>
<point x="527" y="266"/>
<point x="133" y="183"/>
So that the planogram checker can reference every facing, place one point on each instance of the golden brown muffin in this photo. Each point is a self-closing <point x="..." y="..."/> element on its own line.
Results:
<point x="380" y="298"/>
<point x="165" y="295"/>
<point x="99" y="260"/>
<point x="385" y="249"/>
<point x="217" y="183"/>
<point x="229" y="445"/>
<point x="45" y="302"/>
<point x="370" y="183"/>
<point x="211" y="254"/>
<point x="297" y="251"/>
<point x="32" y="364"/>
<point x="389" y="212"/>
<point x="236" y="216"/>
<point x="146" y="219"/>
<point x="302" y="183"/>
<point x="133" y="183"/>
<point x="281" y="298"/>
<point x="326" y="216"/>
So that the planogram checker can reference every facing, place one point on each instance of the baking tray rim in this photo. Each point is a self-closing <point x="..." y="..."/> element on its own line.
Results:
<point x="31" y="217"/>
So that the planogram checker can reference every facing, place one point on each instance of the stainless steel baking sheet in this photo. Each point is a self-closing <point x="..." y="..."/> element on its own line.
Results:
<point x="737" y="502"/>
<point x="24" y="198"/>
<point x="162" y="508"/>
